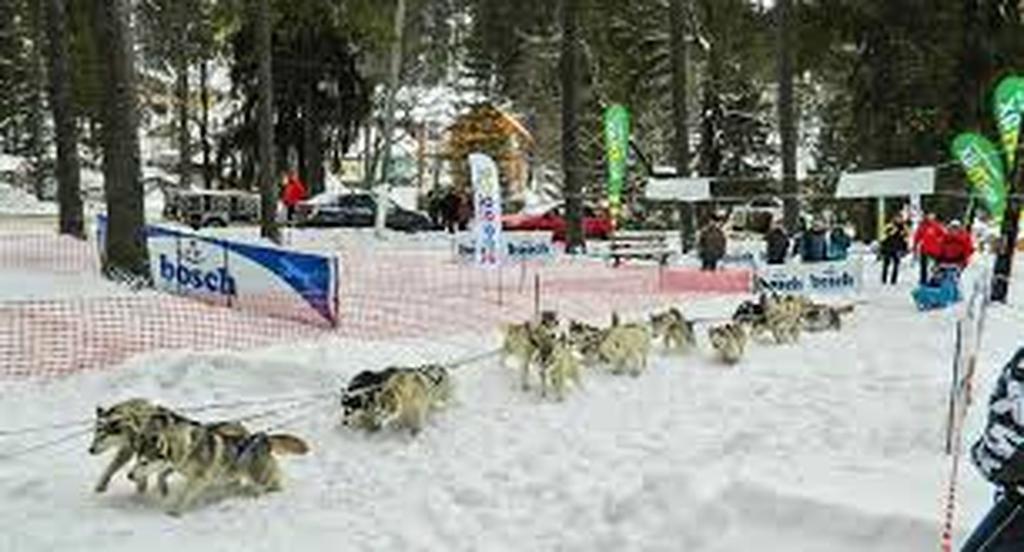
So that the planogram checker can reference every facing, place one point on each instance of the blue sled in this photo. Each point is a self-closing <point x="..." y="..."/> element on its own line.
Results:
<point x="940" y="292"/>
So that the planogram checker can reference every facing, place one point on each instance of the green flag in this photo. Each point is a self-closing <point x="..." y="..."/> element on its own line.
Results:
<point x="984" y="167"/>
<point x="616" y="140"/>
<point x="1009" y="105"/>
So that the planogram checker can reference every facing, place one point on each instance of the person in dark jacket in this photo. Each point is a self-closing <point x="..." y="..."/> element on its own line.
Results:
<point x="893" y="248"/>
<point x="999" y="456"/>
<point x="711" y="244"/>
<point x="813" y="244"/>
<point x="838" y="243"/>
<point x="777" y="244"/>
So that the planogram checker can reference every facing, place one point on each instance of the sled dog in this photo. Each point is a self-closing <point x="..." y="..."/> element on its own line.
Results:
<point x="818" y="317"/>
<point x="675" y="331"/>
<point x="121" y="426"/>
<point x="359" y="397"/>
<point x="206" y="455"/>
<point x="396" y="394"/>
<point x="586" y="340"/>
<point x="729" y="341"/>
<point x="559" y="368"/>
<point x="528" y="342"/>
<point x="625" y="347"/>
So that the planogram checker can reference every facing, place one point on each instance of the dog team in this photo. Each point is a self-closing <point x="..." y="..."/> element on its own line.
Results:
<point x="163" y="442"/>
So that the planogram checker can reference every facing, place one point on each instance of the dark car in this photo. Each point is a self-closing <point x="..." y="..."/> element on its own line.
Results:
<point x="357" y="210"/>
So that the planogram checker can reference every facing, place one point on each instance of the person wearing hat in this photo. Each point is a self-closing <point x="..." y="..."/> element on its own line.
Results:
<point x="957" y="245"/>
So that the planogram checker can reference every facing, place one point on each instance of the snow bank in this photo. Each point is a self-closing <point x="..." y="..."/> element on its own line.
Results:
<point x="15" y="201"/>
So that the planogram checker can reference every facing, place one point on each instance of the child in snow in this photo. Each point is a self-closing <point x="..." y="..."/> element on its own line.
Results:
<point x="999" y="456"/>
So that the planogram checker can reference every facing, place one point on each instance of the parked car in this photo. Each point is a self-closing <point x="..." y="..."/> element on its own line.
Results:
<point x="597" y="224"/>
<point x="199" y="208"/>
<point x="357" y="209"/>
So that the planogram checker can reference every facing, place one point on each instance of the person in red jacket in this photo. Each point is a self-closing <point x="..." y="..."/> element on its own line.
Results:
<point x="928" y="243"/>
<point x="957" y="246"/>
<point x="294" y="191"/>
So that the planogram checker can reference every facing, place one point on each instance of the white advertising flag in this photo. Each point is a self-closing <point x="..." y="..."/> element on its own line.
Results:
<point x="487" y="210"/>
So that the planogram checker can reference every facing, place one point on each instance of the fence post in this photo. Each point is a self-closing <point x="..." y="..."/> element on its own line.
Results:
<point x="536" y="295"/>
<point x="954" y="387"/>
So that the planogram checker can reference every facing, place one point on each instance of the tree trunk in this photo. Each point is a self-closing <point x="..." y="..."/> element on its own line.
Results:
<point x="69" y="199"/>
<point x="204" y="121"/>
<point x="268" y="191"/>
<point x="679" y="14"/>
<point x="184" y="143"/>
<point x="126" y="251"/>
<point x="570" y="112"/>
<point x="37" y="149"/>
<point x="787" y="118"/>
<point x="394" y="76"/>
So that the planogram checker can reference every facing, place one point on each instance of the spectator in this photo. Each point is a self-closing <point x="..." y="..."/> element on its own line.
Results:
<point x="711" y="244"/>
<point x="956" y="247"/>
<point x="927" y="243"/>
<point x="813" y="244"/>
<point x="893" y="248"/>
<point x="294" y="191"/>
<point x="777" y="244"/>
<point x="450" y="210"/>
<point x="999" y="456"/>
<point x="838" y="243"/>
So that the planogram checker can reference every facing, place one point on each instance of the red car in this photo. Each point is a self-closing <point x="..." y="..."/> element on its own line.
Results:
<point x="597" y="225"/>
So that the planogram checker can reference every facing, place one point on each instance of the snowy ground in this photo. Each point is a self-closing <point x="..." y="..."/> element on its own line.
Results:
<point x="832" y="445"/>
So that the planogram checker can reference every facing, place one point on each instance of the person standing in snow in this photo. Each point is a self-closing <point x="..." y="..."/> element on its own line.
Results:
<point x="927" y="243"/>
<point x="814" y="244"/>
<point x="711" y="244"/>
<point x="838" y="243"/>
<point x="893" y="248"/>
<point x="956" y="247"/>
<point x="999" y="456"/>
<point x="777" y="244"/>
<point x="294" y="191"/>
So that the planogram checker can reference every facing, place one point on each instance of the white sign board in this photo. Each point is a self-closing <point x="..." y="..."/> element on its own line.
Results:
<point x="887" y="183"/>
<point x="518" y="247"/>
<point x="834" y="277"/>
<point x="678" y="189"/>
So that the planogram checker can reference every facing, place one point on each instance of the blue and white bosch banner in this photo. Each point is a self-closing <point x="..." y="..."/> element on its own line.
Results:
<point x="229" y="272"/>
<point x="487" y="210"/>
<point x="836" y="277"/>
<point x="518" y="247"/>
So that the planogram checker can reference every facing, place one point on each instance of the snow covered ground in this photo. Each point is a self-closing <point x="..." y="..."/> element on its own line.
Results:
<point x="832" y="445"/>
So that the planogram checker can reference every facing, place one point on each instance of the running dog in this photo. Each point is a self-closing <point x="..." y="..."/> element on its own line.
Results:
<point x="358" y="398"/>
<point x="586" y="340"/>
<point x="817" y="317"/>
<point x="396" y="395"/>
<point x="205" y="455"/>
<point x="625" y="347"/>
<point x="675" y="330"/>
<point x="729" y="341"/>
<point x="529" y="342"/>
<point x="120" y="427"/>
<point x="779" y="315"/>
<point x="559" y="367"/>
